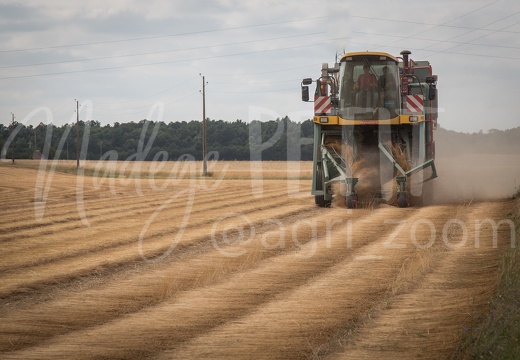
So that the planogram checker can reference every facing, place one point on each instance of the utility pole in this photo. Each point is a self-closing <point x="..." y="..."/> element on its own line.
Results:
<point x="77" y="134"/>
<point x="14" y="139"/>
<point x="204" y="165"/>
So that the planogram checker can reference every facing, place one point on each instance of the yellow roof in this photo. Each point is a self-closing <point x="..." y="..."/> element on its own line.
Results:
<point x="365" y="53"/>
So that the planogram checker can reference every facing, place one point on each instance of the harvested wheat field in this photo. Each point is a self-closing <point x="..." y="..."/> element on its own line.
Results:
<point x="181" y="267"/>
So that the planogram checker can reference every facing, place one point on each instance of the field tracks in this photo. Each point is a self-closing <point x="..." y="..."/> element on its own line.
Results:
<point x="218" y="273"/>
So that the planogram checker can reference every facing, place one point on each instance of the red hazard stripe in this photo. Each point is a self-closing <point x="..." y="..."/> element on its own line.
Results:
<point x="414" y="103"/>
<point x="322" y="104"/>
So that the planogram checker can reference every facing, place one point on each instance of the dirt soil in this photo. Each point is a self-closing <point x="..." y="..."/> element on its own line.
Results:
<point x="190" y="269"/>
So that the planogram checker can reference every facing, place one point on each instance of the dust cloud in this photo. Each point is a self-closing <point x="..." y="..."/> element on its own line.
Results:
<point x="476" y="177"/>
<point x="470" y="167"/>
<point x="480" y="166"/>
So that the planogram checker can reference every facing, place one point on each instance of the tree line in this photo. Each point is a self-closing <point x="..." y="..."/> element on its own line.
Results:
<point x="280" y="139"/>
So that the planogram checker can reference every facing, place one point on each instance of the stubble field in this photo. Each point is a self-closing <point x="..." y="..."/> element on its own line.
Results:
<point x="125" y="264"/>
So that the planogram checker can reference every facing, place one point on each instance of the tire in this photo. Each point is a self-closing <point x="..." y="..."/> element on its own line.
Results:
<point x="402" y="200"/>
<point x="320" y="199"/>
<point x="351" y="201"/>
<point x="427" y="193"/>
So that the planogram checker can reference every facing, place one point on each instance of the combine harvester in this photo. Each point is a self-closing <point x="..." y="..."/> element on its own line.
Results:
<point x="378" y="110"/>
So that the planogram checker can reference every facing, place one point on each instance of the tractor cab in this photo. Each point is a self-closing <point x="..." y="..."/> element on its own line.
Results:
<point x="373" y="114"/>
<point x="369" y="87"/>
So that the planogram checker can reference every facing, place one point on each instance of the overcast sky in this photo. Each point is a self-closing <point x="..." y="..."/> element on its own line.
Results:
<point x="119" y="58"/>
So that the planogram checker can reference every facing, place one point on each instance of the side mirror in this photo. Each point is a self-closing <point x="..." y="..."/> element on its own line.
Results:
<point x="305" y="93"/>
<point x="432" y="92"/>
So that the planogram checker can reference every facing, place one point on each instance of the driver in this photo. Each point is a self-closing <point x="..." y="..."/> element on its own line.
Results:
<point x="366" y="81"/>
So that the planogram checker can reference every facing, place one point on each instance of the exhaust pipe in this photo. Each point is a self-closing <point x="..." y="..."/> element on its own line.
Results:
<point x="405" y="54"/>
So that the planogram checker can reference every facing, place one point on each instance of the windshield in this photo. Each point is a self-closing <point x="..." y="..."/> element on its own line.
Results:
<point x="369" y="88"/>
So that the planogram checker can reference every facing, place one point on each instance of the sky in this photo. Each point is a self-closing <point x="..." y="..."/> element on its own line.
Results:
<point x="129" y="60"/>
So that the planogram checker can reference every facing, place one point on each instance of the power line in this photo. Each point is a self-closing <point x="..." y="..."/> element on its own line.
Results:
<point x="256" y="83"/>
<point x="446" y="52"/>
<point x="430" y="24"/>
<point x="446" y="22"/>
<point x="158" y="52"/>
<point x="162" y="62"/>
<point x="253" y="92"/>
<point x="194" y="48"/>
<point x="469" y="42"/>
<point x="267" y="72"/>
<point x="469" y="32"/>
<point x="177" y="85"/>
<point x="437" y="40"/>
<point x="163" y="36"/>
<point x="473" y="11"/>
<point x="141" y="109"/>
<point x="482" y="28"/>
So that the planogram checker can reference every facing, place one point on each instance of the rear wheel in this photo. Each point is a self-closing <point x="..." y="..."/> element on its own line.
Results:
<point x="427" y="193"/>
<point x="352" y="201"/>
<point x="320" y="199"/>
<point x="402" y="200"/>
